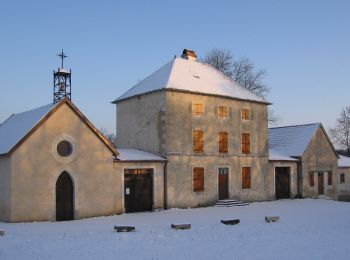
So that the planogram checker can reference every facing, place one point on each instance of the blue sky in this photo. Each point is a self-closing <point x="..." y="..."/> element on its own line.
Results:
<point x="303" y="45"/>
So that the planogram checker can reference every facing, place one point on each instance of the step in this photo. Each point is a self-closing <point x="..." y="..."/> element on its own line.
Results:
<point x="230" y="203"/>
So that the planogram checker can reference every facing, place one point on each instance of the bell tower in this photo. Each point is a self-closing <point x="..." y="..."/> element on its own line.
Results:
<point x="61" y="81"/>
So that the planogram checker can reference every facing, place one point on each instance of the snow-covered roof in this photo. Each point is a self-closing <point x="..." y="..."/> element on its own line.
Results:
<point x="18" y="127"/>
<point x="137" y="155"/>
<point x="192" y="76"/>
<point x="13" y="129"/>
<point x="291" y="140"/>
<point x="343" y="161"/>
<point x="279" y="156"/>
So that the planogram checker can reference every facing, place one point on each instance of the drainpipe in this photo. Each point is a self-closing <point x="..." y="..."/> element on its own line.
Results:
<point x="165" y="178"/>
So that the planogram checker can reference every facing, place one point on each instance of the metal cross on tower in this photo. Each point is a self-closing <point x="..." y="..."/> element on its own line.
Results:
<point x="62" y="56"/>
<point x="61" y="81"/>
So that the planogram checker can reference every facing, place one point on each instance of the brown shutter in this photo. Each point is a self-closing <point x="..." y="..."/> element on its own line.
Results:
<point x="245" y="143"/>
<point x="311" y="179"/>
<point x="330" y="179"/>
<point x="246" y="178"/>
<point x="198" y="142"/>
<point x="223" y="142"/>
<point x="198" y="179"/>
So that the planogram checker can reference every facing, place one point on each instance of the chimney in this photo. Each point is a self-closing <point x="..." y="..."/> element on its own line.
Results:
<point x="189" y="55"/>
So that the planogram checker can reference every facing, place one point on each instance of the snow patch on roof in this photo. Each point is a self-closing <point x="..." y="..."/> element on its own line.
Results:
<point x="137" y="155"/>
<point x="292" y="140"/>
<point x="193" y="76"/>
<point x="13" y="129"/>
<point x="278" y="156"/>
<point x="343" y="161"/>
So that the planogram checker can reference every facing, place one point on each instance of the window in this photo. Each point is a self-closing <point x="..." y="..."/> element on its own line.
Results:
<point x="198" y="109"/>
<point x="198" y="179"/>
<point x="223" y="142"/>
<point x="246" y="178"/>
<point x="64" y="148"/>
<point x="245" y="114"/>
<point x="222" y="112"/>
<point x="245" y="143"/>
<point x="311" y="179"/>
<point x="342" y="178"/>
<point x="330" y="178"/>
<point x="198" y="143"/>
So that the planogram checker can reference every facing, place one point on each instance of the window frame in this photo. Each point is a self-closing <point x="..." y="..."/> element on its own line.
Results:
<point x="312" y="179"/>
<point x="220" y="112"/>
<point x="329" y="178"/>
<point x="245" y="143"/>
<point x="195" y="179"/>
<point x="195" y="107"/>
<point x="195" y="141"/>
<point x="342" y="178"/>
<point x="248" y="178"/>
<point x="245" y="114"/>
<point x="222" y="144"/>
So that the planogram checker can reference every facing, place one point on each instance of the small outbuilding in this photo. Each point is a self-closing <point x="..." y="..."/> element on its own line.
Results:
<point x="343" y="178"/>
<point x="317" y="159"/>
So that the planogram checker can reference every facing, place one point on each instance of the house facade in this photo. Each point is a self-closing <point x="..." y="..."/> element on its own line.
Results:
<point x="213" y="133"/>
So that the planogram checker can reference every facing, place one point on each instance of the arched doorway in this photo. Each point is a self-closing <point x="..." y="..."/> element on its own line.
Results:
<point x="64" y="197"/>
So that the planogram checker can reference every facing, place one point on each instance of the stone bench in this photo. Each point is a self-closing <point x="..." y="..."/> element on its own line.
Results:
<point x="230" y="222"/>
<point x="272" y="218"/>
<point x="181" y="226"/>
<point x="124" y="228"/>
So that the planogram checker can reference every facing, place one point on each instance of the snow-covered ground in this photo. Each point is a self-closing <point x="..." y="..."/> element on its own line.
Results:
<point x="308" y="229"/>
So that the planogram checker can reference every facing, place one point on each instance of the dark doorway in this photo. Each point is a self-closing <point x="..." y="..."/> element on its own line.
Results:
<point x="282" y="182"/>
<point x="138" y="190"/>
<point x="320" y="183"/>
<point x="64" y="197"/>
<point x="223" y="183"/>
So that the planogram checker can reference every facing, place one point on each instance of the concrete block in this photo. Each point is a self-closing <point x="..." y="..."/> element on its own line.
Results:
<point x="181" y="226"/>
<point x="272" y="218"/>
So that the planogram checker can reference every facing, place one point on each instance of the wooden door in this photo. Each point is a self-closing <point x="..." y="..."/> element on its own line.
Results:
<point x="282" y="182"/>
<point x="320" y="183"/>
<point x="64" y="197"/>
<point x="223" y="183"/>
<point x="138" y="190"/>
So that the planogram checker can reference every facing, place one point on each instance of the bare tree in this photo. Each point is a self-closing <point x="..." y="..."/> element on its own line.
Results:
<point x="340" y="134"/>
<point x="242" y="71"/>
<point x="111" y="137"/>
<point x="222" y="60"/>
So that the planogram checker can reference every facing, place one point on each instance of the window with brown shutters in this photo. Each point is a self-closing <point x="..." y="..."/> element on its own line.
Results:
<point x="330" y="178"/>
<point x="198" y="179"/>
<point x="245" y="114"/>
<point x="223" y="142"/>
<point x="245" y="143"/>
<point x="198" y="141"/>
<point x="342" y="178"/>
<point x="198" y="109"/>
<point x="246" y="178"/>
<point x="311" y="179"/>
<point x="222" y="111"/>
